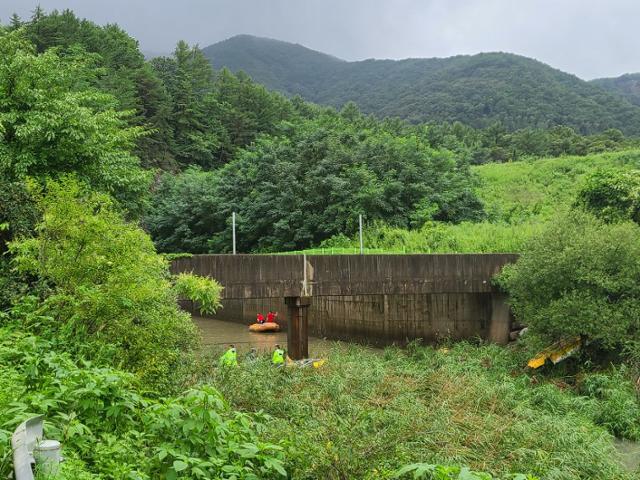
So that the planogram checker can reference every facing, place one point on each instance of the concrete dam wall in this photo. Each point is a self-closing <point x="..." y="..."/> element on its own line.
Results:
<point x="378" y="299"/>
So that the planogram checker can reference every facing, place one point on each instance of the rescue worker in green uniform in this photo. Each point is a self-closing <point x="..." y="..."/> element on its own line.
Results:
<point x="278" y="356"/>
<point x="230" y="357"/>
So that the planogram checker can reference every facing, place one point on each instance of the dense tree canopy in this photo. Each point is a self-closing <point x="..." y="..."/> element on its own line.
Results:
<point x="574" y="280"/>
<point x="53" y="122"/>
<point x="312" y="181"/>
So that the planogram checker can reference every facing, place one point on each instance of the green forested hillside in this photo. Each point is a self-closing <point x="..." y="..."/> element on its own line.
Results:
<point x="627" y="86"/>
<point x="477" y="90"/>
<point x="282" y="66"/>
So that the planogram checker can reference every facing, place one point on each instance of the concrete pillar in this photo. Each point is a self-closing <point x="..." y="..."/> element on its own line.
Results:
<point x="500" y="324"/>
<point x="298" y="327"/>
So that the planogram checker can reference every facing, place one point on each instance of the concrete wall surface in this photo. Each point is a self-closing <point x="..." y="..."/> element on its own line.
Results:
<point x="378" y="299"/>
<point x="277" y="276"/>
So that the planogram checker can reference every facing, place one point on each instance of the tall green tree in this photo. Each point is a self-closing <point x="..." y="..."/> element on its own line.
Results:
<point x="52" y="123"/>
<point x="581" y="276"/>
<point x="120" y="71"/>
<point x="197" y="131"/>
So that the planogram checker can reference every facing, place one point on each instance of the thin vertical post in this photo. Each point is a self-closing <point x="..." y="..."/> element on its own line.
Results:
<point x="233" y="227"/>
<point x="361" y="242"/>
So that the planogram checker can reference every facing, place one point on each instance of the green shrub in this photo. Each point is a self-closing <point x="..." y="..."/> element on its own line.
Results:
<point x="204" y="292"/>
<point x="109" y="429"/>
<point x="109" y="288"/>
<point x="581" y="276"/>
<point x="612" y="195"/>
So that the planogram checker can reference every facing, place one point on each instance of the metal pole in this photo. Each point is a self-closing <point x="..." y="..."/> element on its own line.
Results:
<point x="361" y="242"/>
<point x="233" y="223"/>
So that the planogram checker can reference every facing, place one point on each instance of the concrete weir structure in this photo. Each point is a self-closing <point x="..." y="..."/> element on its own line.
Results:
<point x="379" y="299"/>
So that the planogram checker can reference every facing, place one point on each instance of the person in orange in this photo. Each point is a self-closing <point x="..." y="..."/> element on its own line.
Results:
<point x="260" y="318"/>
<point x="271" y="317"/>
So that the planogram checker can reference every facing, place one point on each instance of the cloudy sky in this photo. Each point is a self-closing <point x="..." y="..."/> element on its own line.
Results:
<point x="590" y="38"/>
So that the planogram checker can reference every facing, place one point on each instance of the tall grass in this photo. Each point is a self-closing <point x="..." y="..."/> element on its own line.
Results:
<point x="537" y="189"/>
<point x="434" y="237"/>
<point x="368" y="412"/>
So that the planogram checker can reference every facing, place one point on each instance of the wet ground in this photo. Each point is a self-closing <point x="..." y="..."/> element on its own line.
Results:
<point x="218" y="333"/>
<point x="630" y="453"/>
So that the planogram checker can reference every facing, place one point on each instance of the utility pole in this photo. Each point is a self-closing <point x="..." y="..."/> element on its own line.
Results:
<point x="361" y="242"/>
<point x="233" y="226"/>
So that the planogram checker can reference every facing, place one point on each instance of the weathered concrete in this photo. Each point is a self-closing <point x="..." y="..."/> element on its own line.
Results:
<point x="279" y="276"/>
<point x="378" y="299"/>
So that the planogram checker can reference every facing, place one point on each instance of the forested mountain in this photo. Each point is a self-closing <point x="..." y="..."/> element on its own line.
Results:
<point x="477" y="90"/>
<point x="286" y="67"/>
<point x="295" y="173"/>
<point x="627" y="86"/>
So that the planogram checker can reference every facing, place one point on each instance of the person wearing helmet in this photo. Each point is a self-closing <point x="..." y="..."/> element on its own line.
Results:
<point x="278" y="356"/>
<point x="229" y="358"/>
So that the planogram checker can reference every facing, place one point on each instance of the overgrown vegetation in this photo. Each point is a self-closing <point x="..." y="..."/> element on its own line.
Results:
<point x="366" y="413"/>
<point x="105" y="287"/>
<point x="92" y="337"/>
<point x="110" y="428"/>
<point x="580" y="277"/>
<point x="519" y="199"/>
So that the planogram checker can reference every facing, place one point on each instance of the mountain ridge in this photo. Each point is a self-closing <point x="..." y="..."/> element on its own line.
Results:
<point x="478" y="89"/>
<point x="627" y="86"/>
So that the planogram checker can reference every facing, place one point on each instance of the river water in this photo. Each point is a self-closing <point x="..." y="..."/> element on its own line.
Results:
<point x="218" y="333"/>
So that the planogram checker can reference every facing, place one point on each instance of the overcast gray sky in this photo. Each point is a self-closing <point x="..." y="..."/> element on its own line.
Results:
<point x="590" y="38"/>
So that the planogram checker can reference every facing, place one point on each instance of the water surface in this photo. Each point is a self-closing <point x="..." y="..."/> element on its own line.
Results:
<point x="219" y="333"/>
<point x="630" y="453"/>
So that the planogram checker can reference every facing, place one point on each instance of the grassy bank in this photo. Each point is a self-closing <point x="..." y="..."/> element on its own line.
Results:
<point x="534" y="190"/>
<point x="368" y="412"/>
<point x="519" y="197"/>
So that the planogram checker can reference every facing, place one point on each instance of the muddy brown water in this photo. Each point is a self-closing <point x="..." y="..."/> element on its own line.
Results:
<point x="219" y="333"/>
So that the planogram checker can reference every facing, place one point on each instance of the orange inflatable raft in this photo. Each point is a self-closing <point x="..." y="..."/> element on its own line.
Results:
<point x="265" y="327"/>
